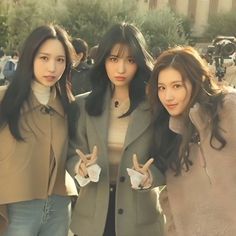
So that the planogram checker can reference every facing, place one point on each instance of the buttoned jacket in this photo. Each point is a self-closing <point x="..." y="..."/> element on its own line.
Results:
<point x="24" y="165"/>
<point x="136" y="212"/>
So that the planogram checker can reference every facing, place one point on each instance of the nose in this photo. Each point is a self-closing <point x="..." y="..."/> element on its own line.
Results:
<point x="121" y="66"/>
<point x="169" y="95"/>
<point x="51" y="66"/>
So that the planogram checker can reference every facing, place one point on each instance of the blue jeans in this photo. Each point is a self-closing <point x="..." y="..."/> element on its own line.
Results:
<point x="48" y="217"/>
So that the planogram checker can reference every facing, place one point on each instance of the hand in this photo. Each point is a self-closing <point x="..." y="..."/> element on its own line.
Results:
<point x="86" y="160"/>
<point x="144" y="169"/>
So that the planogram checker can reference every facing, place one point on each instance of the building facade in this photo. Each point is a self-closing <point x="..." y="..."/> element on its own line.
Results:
<point x="198" y="11"/>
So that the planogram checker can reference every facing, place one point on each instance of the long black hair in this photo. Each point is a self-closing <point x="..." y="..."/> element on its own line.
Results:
<point x="128" y="35"/>
<point x="171" y="149"/>
<point x="19" y="89"/>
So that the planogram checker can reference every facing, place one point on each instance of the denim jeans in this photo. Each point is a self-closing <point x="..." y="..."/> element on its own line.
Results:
<point x="49" y="217"/>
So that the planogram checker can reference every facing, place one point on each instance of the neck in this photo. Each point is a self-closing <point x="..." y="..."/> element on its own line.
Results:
<point x="120" y="94"/>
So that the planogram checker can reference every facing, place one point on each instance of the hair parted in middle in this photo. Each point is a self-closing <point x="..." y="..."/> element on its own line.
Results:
<point x="19" y="89"/>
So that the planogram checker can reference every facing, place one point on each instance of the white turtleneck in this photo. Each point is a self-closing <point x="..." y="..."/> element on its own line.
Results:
<point x="41" y="92"/>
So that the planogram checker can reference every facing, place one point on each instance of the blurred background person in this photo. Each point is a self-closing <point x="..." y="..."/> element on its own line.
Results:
<point x="80" y="70"/>
<point x="3" y="60"/>
<point x="10" y="66"/>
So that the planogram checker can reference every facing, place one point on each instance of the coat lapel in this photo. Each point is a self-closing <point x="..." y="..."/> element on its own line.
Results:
<point x="101" y="123"/>
<point x="139" y="121"/>
<point x="54" y="102"/>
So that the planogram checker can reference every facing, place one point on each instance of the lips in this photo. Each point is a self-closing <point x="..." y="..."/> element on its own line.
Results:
<point x="120" y="78"/>
<point x="49" y="77"/>
<point x="171" y="106"/>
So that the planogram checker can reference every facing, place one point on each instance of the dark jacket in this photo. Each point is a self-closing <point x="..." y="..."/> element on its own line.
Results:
<point x="80" y="78"/>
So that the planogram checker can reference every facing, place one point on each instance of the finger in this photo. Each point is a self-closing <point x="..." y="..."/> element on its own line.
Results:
<point x="94" y="154"/>
<point x="135" y="162"/>
<point x="83" y="170"/>
<point x="81" y="155"/>
<point x="148" y="180"/>
<point x="144" y="181"/>
<point x="147" y="164"/>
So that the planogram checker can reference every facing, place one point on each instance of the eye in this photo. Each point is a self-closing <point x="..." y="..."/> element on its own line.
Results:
<point x="131" y="61"/>
<point x="61" y="59"/>
<point x="44" y="58"/>
<point x="113" y="59"/>
<point x="176" y="86"/>
<point x="160" y="88"/>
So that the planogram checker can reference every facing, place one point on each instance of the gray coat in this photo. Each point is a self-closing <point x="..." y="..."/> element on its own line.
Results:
<point x="136" y="211"/>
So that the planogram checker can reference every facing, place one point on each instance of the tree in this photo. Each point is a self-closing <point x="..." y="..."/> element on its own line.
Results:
<point x="163" y="29"/>
<point x="90" y="19"/>
<point x="25" y="15"/>
<point x="3" y="31"/>
<point x="19" y="27"/>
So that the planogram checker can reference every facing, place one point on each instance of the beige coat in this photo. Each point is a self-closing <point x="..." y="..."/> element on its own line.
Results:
<point x="201" y="202"/>
<point x="24" y="166"/>
<point x="136" y="213"/>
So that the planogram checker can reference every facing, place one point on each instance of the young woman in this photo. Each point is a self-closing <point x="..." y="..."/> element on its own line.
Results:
<point x="115" y="130"/>
<point x="37" y="113"/>
<point x="196" y="121"/>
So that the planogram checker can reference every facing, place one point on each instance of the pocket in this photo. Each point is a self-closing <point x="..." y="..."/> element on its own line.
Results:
<point x="87" y="200"/>
<point x="147" y="207"/>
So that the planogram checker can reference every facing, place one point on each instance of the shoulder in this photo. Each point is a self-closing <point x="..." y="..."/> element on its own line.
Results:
<point x="229" y="100"/>
<point x="230" y="95"/>
<point x="144" y="105"/>
<point x="228" y="109"/>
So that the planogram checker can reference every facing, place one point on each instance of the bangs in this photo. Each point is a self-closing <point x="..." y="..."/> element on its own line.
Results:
<point x="123" y="47"/>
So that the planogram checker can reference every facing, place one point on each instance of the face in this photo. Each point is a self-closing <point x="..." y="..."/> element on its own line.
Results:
<point x="173" y="92"/>
<point x="49" y="62"/>
<point x="120" y="67"/>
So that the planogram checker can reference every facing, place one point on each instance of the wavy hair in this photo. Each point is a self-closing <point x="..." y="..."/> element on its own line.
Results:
<point x="205" y="91"/>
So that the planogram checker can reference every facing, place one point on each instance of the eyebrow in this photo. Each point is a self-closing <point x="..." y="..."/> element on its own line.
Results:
<point x="48" y="54"/>
<point x="176" y="81"/>
<point x="113" y="55"/>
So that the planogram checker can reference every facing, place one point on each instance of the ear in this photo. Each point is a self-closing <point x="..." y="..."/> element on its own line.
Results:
<point x="80" y="56"/>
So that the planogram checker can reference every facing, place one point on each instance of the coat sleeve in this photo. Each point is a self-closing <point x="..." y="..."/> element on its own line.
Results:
<point x="80" y="142"/>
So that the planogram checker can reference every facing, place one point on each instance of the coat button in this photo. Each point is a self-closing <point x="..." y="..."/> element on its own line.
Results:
<point x="120" y="211"/>
<point x="122" y="179"/>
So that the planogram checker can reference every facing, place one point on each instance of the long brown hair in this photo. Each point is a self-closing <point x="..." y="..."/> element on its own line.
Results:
<point x="205" y="91"/>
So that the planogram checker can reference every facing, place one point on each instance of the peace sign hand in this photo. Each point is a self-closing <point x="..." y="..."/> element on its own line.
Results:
<point x="140" y="175"/>
<point x="86" y="160"/>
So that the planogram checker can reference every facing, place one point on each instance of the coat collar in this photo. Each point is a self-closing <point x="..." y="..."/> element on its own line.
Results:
<point x="140" y="119"/>
<point x="54" y="103"/>
<point x="197" y="116"/>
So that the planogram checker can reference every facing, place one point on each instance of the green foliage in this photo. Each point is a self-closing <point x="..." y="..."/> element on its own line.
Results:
<point x="3" y="31"/>
<point x="162" y="28"/>
<point x="91" y="19"/>
<point x="221" y="24"/>
<point x="25" y="15"/>
<point x="21" y="21"/>
<point x="85" y="19"/>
